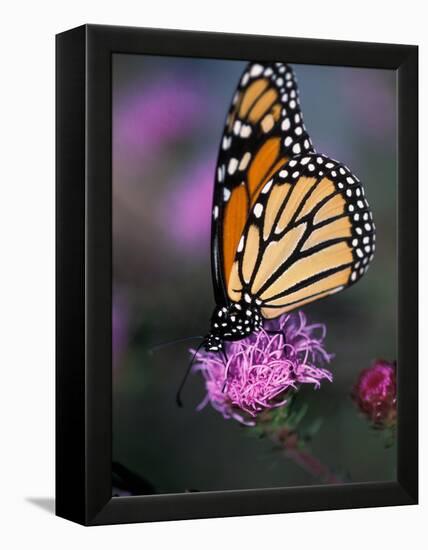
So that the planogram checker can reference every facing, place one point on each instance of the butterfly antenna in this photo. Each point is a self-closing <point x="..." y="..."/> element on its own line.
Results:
<point x="186" y="374"/>
<point x="163" y="345"/>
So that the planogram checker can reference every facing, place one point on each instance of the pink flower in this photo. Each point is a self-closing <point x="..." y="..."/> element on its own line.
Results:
<point x="188" y="208"/>
<point x="263" y="369"/>
<point x="375" y="393"/>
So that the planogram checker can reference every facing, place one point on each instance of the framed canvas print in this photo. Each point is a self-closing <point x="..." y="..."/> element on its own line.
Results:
<point x="236" y="275"/>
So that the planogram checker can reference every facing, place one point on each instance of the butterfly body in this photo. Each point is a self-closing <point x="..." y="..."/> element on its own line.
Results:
<point x="289" y="225"/>
<point x="233" y="322"/>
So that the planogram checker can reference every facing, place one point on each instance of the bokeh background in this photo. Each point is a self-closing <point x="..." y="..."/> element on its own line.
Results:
<point x="168" y="115"/>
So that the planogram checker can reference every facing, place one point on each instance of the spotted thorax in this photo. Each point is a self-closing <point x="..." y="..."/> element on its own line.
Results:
<point x="231" y="323"/>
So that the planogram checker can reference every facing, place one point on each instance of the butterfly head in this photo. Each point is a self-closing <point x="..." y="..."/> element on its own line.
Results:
<point x="233" y="322"/>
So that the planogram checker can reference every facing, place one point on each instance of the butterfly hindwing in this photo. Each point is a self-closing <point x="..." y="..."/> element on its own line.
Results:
<point x="264" y="129"/>
<point x="309" y="234"/>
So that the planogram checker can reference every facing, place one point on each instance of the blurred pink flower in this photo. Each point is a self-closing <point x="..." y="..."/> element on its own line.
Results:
<point x="147" y="118"/>
<point x="375" y="393"/>
<point x="263" y="368"/>
<point x="188" y="208"/>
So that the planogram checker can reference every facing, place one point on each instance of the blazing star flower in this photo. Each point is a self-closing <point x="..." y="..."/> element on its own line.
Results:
<point x="375" y="393"/>
<point x="263" y="368"/>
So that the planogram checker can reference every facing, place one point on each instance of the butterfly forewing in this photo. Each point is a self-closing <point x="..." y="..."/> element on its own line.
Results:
<point x="309" y="234"/>
<point x="264" y="129"/>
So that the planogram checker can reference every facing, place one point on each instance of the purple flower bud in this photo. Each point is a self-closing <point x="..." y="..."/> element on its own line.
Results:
<point x="375" y="393"/>
<point x="263" y="368"/>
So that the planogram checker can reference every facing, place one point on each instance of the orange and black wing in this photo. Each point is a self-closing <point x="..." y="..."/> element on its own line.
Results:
<point x="309" y="234"/>
<point x="264" y="129"/>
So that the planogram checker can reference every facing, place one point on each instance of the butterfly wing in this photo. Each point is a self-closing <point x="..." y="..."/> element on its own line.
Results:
<point x="264" y="129"/>
<point x="309" y="234"/>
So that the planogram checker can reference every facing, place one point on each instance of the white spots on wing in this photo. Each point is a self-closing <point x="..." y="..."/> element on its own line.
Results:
<point x="296" y="148"/>
<point x="292" y="104"/>
<point x="268" y="186"/>
<point x="305" y="161"/>
<point x="306" y="144"/>
<point x="285" y="124"/>
<point x="241" y="244"/>
<point x="342" y="171"/>
<point x="288" y="141"/>
<point x="349" y="180"/>
<point x="237" y="127"/>
<point x="258" y="209"/>
<point x="245" y="79"/>
<point x="329" y="165"/>
<point x="220" y="173"/>
<point x="311" y="167"/>
<point x="215" y="212"/>
<point x="268" y="71"/>
<point x="226" y="142"/>
<point x="359" y="252"/>
<point x="285" y="98"/>
<point x="298" y="130"/>
<point x="280" y="82"/>
<point x="232" y="166"/>
<point x="247" y="298"/>
<point x="226" y="194"/>
<point x="245" y="131"/>
<point x="283" y="173"/>
<point x="292" y="163"/>
<point x="256" y="70"/>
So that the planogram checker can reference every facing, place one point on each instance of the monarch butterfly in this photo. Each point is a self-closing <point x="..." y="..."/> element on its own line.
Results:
<point x="289" y="225"/>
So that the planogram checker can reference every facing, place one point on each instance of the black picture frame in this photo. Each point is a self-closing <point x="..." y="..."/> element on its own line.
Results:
<point x="84" y="278"/>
